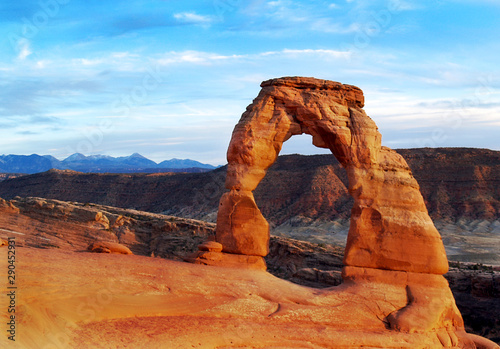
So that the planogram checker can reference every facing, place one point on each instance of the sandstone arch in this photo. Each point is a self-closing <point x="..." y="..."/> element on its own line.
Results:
<point x="393" y="250"/>
<point x="390" y="226"/>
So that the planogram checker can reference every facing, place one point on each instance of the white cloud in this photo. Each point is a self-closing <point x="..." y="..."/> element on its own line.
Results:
<point x="209" y="58"/>
<point x="323" y="52"/>
<point x="191" y="17"/>
<point x="23" y="46"/>
<point x="124" y="55"/>
<point x="87" y="62"/>
<point x="400" y="5"/>
<point x="194" y="57"/>
<point x="42" y="64"/>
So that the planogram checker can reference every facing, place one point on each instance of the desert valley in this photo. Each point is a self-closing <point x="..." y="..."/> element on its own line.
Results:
<point x="352" y="260"/>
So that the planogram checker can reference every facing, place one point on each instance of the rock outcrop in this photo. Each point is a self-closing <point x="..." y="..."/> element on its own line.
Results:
<point x="386" y="196"/>
<point x="108" y="247"/>
<point x="51" y="226"/>
<point x="46" y="223"/>
<point x="392" y="242"/>
<point x="92" y="300"/>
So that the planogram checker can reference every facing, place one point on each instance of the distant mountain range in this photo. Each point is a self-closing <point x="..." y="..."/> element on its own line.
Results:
<point x="34" y="163"/>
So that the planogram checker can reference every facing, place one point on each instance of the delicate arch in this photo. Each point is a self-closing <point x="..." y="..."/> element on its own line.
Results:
<point x="390" y="227"/>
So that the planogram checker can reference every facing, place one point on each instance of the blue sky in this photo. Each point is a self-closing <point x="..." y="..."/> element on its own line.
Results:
<point x="171" y="78"/>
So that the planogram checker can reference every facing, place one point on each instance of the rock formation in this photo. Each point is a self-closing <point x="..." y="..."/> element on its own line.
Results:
<point x="393" y="292"/>
<point x="390" y="227"/>
<point x="46" y="223"/>
<point x="392" y="242"/>
<point x="108" y="247"/>
<point x="55" y="233"/>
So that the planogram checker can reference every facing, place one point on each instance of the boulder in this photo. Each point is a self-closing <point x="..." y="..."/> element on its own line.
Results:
<point x="108" y="247"/>
<point x="210" y="246"/>
<point x="8" y="206"/>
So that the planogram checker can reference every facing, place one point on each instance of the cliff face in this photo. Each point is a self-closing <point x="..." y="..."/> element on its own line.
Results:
<point x="455" y="183"/>
<point x="314" y="186"/>
<point x="161" y="192"/>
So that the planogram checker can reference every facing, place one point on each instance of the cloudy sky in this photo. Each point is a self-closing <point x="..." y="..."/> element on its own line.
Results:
<point x="171" y="78"/>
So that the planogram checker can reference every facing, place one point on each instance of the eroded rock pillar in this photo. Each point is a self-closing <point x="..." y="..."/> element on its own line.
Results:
<point x="390" y="227"/>
<point x="241" y="228"/>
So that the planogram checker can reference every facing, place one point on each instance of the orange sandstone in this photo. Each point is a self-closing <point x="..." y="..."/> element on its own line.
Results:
<point x="390" y="226"/>
<point x="108" y="247"/>
<point x="393" y="249"/>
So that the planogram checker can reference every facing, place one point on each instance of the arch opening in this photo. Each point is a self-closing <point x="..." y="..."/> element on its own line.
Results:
<point x="302" y="145"/>
<point x="305" y="196"/>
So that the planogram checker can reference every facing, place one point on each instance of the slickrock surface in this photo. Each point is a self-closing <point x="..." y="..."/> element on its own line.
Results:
<point x="38" y="223"/>
<point x="46" y="223"/>
<point x="108" y="247"/>
<point x="89" y="300"/>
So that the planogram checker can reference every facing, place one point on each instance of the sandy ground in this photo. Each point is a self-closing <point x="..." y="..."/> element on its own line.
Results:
<point x="68" y="299"/>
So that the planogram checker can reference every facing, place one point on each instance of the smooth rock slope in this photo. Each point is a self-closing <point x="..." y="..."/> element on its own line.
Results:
<point x="392" y="242"/>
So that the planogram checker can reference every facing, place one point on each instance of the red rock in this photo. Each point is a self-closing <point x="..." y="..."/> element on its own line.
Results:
<point x="392" y="243"/>
<point x="210" y="246"/>
<point x="241" y="228"/>
<point x="99" y="221"/>
<point x="456" y="183"/>
<point x="390" y="226"/>
<point x="228" y="260"/>
<point x="429" y="302"/>
<point x="7" y="206"/>
<point x="108" y="247"/>
<point x="482" y="343"/>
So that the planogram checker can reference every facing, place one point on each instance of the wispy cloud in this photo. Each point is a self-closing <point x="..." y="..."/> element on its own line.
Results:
<point x="207" y="58"/>
<point x="194" y="57"/>
<point x="27" y="133"/>
<point x="307" y="53"/>
<point x="23" y="46"/>
<point x="192" y="18"/>
<point x="38" y="119"/>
